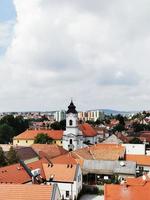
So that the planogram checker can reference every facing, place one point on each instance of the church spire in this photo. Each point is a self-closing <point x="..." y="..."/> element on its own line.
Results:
<point x="71" y="108"/>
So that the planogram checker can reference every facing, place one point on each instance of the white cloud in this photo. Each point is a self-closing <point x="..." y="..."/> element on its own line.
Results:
<point x="96" y="52"/>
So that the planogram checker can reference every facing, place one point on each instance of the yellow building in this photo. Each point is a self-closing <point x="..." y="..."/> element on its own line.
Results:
<point x="27" y="138"/>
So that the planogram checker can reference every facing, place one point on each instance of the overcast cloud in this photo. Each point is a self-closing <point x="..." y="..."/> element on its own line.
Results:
<point x="97" y="52"/>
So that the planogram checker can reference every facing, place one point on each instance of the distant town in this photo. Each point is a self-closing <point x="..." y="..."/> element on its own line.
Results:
<point x="74" y="155"/>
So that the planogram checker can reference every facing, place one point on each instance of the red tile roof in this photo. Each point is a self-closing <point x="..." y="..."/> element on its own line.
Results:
<point x="64" y="159"/>
<point x="87" y="130"/>
<point x="17" y="174"/>
<point x="48" y="150"/>
<point x="25" y="192"/>
<point x="139" y="159"/>
<point x="31" y="134"/>
<point x="60" y="172"/>
<point x="100" y="152"/>
<point x="134" y="189"/>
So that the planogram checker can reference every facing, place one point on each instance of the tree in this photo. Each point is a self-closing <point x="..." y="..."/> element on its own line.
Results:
<point x="138" y="127"/>
<point x="17" y="123"/>
<point x="55" y="126"/>
<point x="135" y="140"/>
<point x="119" y="128"/>
<point x="6" y="133"/>
<point x="121" y="119"/>
<point x="59" y="125"/>
<point x="43" y="139"/>
<point x="12" y="156"/>
<point x="2" y="158"/>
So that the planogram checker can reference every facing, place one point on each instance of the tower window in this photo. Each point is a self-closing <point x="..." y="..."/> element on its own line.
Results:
<point x="70" y="122"/>
<point x="70" y="141"/>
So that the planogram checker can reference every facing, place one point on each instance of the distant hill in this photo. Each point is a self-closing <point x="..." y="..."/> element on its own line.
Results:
<point x="116" y="112"/>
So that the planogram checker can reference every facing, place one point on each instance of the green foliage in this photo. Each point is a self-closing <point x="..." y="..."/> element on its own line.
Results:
<point x="121" y="119"/>
<point x="43" y="139"/>
<point x="119" y="128"/>
<point x="12" y="156"/>
<point x="2" y="158"/>
<point x="6" y="133"/>
<point x="136" y="140"/>
<point x="59" y="125"/>
<point x="11" y="126"/>
<point x="140" y="127"/>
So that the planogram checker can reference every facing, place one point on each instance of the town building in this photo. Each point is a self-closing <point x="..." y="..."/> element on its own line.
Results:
<point x="27" y="137"/>
<point x="91" y="115"/>
<point x="131" y="189"/>
<point x="72" y="136"/>
<point x="60" y="115"/>
<point x="68" y="177"/>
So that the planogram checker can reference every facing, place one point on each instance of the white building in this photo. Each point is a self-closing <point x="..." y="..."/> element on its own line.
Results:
<point x="67" y="176"/>
<point x="135" y="149"/>
<point x="72" y="137"/>
<point x="60" y="115"/>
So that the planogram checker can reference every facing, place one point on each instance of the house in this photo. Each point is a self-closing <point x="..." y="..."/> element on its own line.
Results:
<point x="132" y="189"/>
<point x="142" y="161"/>
<point x="135" y="149"/>
<point x="27" y="138"/>
<point x="89" y="133"/>
<point x="100" y="152"/>
<point x="68" y="177"/>
<point x="97" y="171"/>
<point x="29" y="192"/>
<point x="48" y="151"/>
<point x="21" y="173"/>
<point x="27" y="154"/>
<point x="112" y="139"/>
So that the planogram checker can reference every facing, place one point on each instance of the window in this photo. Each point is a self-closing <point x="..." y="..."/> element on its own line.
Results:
<point x="26" y="141"/>
<point x="79" y="178"/>
<point x="70" y="141"/>
<point x="17" y="141"/>
<point x="61" y="142"/>
<point x="67" y="193"/>
<point x="70" y="122"/>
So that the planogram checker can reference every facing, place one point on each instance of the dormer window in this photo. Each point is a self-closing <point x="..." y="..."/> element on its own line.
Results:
<point x="70" y="122"/>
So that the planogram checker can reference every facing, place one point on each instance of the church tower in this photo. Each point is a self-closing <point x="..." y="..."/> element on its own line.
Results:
<point x="72" y="137"/>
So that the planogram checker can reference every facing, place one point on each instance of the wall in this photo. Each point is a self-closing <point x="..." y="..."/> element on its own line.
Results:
<point x="27" y="143"/>
<point x="135" y="149"/>
<point x="73" y="188"/>
<point x="24" y="143"/>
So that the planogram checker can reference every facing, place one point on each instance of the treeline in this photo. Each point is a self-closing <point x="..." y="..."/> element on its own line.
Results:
<point x="11" y="126"/>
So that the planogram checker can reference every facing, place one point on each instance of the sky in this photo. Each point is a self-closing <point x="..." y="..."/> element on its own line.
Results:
<point x="96" y="52"/>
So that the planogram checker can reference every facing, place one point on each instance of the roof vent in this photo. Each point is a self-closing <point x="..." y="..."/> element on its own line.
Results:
<point x="122" y="163"/>
<point x="51" y="177"/>
<point x="36" y="172"/>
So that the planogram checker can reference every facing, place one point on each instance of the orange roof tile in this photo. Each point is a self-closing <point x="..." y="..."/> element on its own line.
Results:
<point x="87" y="130"/>
<point x="60" y="172"/>
<point x="25" y="192"/>
<point x="31" y="134"/>
<point x="64" y="159"/>
<point x="100" y="152"/>
<point x="132" y="190"/>
<point x="48" y="150"/>
<point x="17" y="174"/>
<point x="139" y="159"/>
